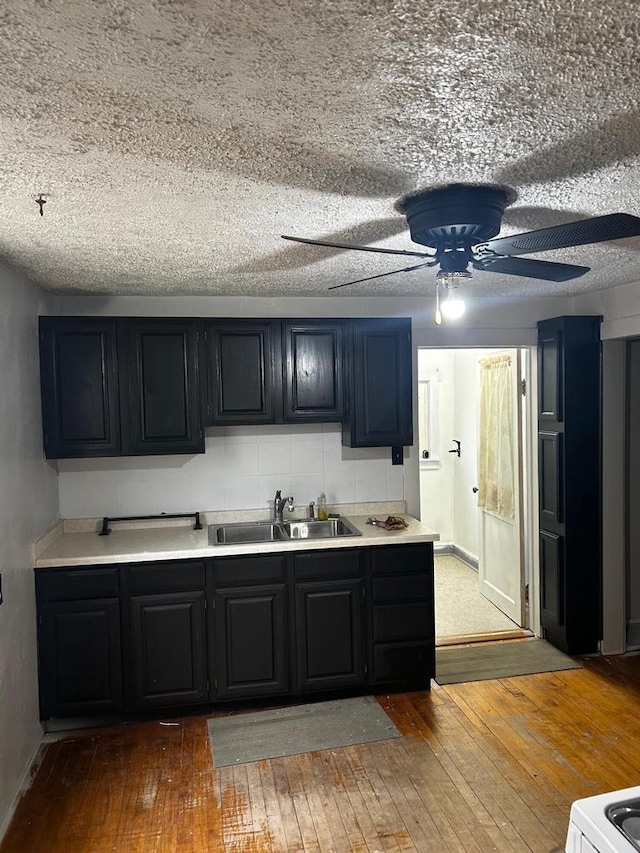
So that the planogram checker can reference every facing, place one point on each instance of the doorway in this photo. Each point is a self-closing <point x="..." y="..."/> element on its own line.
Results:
<point x="482" y="563"/>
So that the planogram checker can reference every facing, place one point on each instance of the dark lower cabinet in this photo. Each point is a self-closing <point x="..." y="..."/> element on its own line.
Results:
<point x="251" y="645"/>
<point x="80" y="658"/>
<point x="329" y="635"/>
<point x="129" y="638"/>
<point x="402" y="616"/>
<point x="168" y="649"/>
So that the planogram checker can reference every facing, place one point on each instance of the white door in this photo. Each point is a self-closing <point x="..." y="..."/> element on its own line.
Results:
<point x="501" y="540"/>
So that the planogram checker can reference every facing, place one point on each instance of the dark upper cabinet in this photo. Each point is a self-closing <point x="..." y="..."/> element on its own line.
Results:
<point x="241" y="366"/>
<point x="275" y="371"/>
<point x="569" y="402"/>
<point x="162" y="410"/>
<point x="80" y="390"/>
<point x="119" y="387"/>
<point x="313" y="371"/>
<point x="380" y="390"/>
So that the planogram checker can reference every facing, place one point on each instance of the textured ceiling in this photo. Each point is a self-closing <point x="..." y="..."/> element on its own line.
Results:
<point x="175" y="140"/>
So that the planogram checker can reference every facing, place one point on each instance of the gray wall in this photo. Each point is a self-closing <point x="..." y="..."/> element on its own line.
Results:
<point x="28" y="506"/>
<point x="633" y="509"/>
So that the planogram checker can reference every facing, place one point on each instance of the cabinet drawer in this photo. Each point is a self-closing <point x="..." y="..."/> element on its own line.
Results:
<point x="403" y="587"/>
<point x="76" y="584"/>
<point x="177" y="576"/>
<point x="392" y="559"/>
<point x="233" y="571"/>
<point x="398" y="662"/>
<point x="409" y="621"/>
<point x="328" y="564"/>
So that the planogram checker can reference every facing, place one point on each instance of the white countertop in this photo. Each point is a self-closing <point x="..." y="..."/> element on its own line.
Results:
<point x="183" y="543"/>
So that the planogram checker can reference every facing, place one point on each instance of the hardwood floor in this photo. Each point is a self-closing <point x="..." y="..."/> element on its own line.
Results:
<point x="483" y="766"/>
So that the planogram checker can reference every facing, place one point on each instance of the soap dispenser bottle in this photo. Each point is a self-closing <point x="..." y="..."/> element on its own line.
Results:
<point x="322" y="507"/>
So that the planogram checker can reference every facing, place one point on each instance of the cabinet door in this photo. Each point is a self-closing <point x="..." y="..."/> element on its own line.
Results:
<point x="241" y="360"/>
<point x="381" y="394"/>
<point x="251" y="642"/>
<point x="168" y="649"/>
<point x="329" y="634"/>
<point x="80" y="658"/>
<point x="570" y="482"/>
<point x="79" y="382"/>
<point x="163" y="405"/>
<point x="313" y="381"/>
<point x="402" y="616"/>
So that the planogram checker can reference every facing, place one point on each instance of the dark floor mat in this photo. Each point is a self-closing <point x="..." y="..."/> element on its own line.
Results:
<point x="482" y="661"/>
<point x="241" y="738"/>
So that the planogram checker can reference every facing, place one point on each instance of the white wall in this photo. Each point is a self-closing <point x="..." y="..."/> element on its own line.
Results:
<point x="436" y="477"/>
<point x="28" y="506"/>
<point x="465" y="421"/>
<point x="241" y="469"/>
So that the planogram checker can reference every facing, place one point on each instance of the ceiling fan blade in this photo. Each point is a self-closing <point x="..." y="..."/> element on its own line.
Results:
<point x="380" y="275"/>
<point x="599" y="229"/>
<point x="357" y="248"/>
<point x="533" y="269"/>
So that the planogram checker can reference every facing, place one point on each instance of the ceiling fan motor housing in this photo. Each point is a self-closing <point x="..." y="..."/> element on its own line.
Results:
<point x="456" y="215"/>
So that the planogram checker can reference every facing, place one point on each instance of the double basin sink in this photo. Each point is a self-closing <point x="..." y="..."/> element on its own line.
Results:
<point x="244" y="533"/>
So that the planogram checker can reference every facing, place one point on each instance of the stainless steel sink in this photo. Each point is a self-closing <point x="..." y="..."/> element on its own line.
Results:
<point x="330" y="529"/>
<point x="245" y="532"/>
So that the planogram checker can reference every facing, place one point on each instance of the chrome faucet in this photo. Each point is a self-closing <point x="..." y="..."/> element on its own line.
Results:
<point x="279" y="503"/>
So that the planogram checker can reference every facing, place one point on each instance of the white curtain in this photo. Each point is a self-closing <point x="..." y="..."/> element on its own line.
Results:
<point x="495" y="457"/>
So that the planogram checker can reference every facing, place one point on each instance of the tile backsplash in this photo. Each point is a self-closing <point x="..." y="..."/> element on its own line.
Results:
<point x="241" y="469"/>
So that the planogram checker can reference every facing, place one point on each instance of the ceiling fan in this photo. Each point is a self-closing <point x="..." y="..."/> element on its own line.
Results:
<point x="459" y="222"/>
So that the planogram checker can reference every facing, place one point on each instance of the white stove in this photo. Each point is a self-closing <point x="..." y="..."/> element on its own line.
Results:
<point x="591" y="831"/>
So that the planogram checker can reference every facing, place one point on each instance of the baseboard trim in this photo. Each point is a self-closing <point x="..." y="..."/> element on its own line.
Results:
<point x="450" y="548"/>
<point x="633" y="634"/>
<point x="23" y="786"/>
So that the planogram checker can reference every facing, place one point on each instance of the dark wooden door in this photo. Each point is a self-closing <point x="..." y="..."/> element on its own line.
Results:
<point x="329" y="634"/>
<point x="314" y="365"/>
<point x="251" y="642"/>
<point x="161" y="366"/>
<point x="380" y="376"/>
<point x="569" y="481"/>
<point x="242" y="358"/>
<point x="80" y="658"/>
<point x="168" y="649"/>
<point x="79" y="382"/>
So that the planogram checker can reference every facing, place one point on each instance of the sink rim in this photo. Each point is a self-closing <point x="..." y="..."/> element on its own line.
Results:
<point x="283" y="528"/>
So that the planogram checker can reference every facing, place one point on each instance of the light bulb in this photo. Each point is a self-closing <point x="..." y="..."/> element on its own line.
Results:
<point x="453" y="306"/>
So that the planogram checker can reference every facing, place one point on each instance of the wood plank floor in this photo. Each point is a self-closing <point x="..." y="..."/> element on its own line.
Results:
<point x="484" y="766"/>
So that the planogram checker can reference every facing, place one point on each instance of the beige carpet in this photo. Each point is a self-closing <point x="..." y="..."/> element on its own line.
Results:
<point x="460" y="608"/>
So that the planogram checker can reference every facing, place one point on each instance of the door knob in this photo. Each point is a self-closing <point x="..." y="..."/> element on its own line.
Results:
<point x="474" y="489"/>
